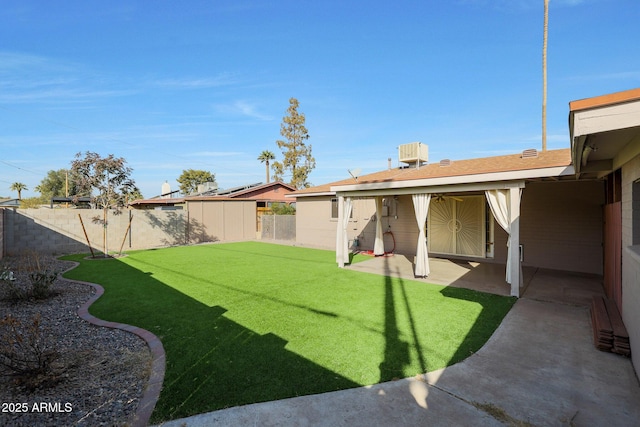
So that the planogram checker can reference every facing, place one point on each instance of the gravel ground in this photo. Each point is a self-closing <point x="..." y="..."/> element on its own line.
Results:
<point x="99" y="374"/>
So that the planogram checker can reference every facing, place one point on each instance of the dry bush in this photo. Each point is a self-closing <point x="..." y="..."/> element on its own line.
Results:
<point x="26" y="354"/>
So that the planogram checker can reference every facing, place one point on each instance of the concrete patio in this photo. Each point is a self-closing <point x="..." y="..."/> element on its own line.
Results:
<point x="539" y="284"/>
<point x="540" y="367"/>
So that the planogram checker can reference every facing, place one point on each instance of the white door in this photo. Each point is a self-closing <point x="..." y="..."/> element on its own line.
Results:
<point x="456" y="226"/>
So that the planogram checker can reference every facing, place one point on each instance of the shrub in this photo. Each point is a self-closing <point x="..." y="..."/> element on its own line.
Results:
<point x="40" y="278"/>
<point x="8" y="279"/>
<point x="25" y="353"/>
<point x="283" y="209"/>
<point x="41" y="282"/>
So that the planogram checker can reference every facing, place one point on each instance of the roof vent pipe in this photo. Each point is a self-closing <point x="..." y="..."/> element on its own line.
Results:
<point x="389" y="162"/>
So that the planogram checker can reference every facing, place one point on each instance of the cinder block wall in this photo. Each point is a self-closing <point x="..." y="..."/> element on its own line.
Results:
<point x="59" y="231"/>
<point x="1" y="233"/>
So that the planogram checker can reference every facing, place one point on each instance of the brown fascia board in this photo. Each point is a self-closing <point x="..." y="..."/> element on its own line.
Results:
<point x="605" y="100"/>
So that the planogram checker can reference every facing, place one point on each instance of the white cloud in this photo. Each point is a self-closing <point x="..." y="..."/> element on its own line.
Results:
<point x="243" y="108"/>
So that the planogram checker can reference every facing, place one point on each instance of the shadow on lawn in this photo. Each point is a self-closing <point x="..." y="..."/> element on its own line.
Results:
<point x="397" y="354"/>
<point x="212" y="361"/>
<point x="396" y="351"/>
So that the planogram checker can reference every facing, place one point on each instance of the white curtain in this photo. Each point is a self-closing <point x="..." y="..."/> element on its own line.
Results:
<point x="342" y="239"/>
<point x="378" y="246"/>
<point x="346" y="214"/>
<point x="421" y="207"/>
<point x="501" y="209"/>
<point x="499" y="204"/>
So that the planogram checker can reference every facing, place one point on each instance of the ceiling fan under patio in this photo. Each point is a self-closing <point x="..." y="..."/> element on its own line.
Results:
<point x="439" y="197"/>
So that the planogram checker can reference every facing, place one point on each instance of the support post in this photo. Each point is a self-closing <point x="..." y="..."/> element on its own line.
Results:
<point x="339" y="236"/>
<point x="514" y="245"/>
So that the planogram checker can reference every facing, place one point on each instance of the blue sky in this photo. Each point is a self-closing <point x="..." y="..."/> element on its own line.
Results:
<point x="204" y="84"/>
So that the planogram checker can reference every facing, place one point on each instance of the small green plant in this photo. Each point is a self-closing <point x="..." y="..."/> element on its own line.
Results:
<point x="41" y="278"/>
<point x="6" y="275"/>
<point x="26" y="354"/>
<point x="41" y="282"/>
<point x="7" y="278"/>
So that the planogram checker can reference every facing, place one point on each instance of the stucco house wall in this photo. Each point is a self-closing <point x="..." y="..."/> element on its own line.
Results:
<point x="560" y="229"/>
<point x="631" y="255"/>
<point x="561" y="225"/>
<point x="315" y="228"/>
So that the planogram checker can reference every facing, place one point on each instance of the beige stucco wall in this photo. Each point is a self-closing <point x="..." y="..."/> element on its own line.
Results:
<point x="630" y="261"/>
<point x="315" y="227"/>
<point x="225" y="220"/>
<point x="561" y="225"/>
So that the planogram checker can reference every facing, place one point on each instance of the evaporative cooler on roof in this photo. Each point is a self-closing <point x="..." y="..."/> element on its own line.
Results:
<point x="414" y="153"/>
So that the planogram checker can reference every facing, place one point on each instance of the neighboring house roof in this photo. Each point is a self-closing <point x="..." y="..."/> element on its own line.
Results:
<point x="171" y="201"/>
<point x="262" y="191"/>
<point x="248" y="192"/>
<point x="530" y="164"/>
<point x="234" y="190"/>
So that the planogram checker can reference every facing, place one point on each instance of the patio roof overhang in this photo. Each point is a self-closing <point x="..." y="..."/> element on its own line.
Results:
<point x="605" y="132"/>
<point x="463" y="183"/>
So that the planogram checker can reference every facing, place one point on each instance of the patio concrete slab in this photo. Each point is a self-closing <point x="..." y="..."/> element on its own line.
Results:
<point x="540" y="367"/>
<point x="482" y="276"/>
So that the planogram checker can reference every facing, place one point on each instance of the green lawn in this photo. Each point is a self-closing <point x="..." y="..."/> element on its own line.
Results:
<point x="251" y="322"/>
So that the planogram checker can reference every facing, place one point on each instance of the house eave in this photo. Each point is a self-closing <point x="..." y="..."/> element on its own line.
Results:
<point x="320" y="193"/>
<point x="441" y="183"/>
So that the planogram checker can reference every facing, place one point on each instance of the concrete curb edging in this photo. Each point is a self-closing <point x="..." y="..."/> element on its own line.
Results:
<point x="152" y="390"/>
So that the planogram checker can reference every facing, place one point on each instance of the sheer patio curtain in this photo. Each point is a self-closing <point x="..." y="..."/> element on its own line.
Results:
<point x="342" y="238"/>
<point x="346" y="214"/>
<point x="421" y="207"/>
<point x="378" y="245"/>
<point x="499" y="204"/>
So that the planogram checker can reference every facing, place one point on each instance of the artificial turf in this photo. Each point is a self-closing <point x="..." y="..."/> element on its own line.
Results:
<point x="251" y="322"/>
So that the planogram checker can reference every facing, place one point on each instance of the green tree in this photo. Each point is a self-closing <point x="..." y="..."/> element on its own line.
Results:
<point x="134" y="195"/>
<point x="56" y="184"/>
<point x="32" y="202"/>
<point x="265" y="157"/>
<point x="191" y="178"/>
<point x="298" y="159"/>
<point x="283" y="209"/>
<point x="19" y="187"/>
<point x="107" y="181"/>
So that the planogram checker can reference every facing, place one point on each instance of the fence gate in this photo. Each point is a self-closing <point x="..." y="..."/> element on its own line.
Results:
<point x="278" y="227"/>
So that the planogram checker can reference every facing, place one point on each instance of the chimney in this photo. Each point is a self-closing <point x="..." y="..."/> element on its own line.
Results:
<point x="389" y="163"/>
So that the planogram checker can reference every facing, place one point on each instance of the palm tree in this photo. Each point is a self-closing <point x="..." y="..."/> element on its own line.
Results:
<point x="18" y="186"/>
<point x="544" y="75"/>
<point x="265" y="157"/>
